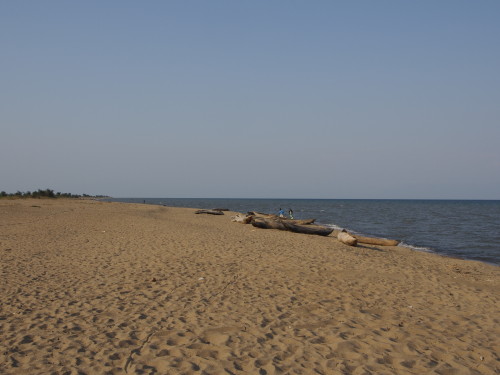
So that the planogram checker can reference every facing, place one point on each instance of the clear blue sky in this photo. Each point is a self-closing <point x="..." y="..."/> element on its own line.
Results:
<point x="276" y="99"/>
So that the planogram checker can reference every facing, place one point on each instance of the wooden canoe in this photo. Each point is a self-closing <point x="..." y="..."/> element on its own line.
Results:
<point x="262" y="215"/>
<point x="375" y="241"/>
<point x="209" y="212"/>
<point x="276" y="217"/>
<point x="298" y="221"/>
<point x="319" y="230"/>
<point x="260" y="222"/>
<point x="308" y="229"/>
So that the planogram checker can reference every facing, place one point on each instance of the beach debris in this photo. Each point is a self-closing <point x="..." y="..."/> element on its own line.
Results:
<point x="346" y="238"/>
<point x="457" y="269"/>
<point x="210" y="212"/>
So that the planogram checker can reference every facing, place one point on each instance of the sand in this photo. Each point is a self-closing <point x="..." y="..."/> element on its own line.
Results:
<point x="91" y="287"/>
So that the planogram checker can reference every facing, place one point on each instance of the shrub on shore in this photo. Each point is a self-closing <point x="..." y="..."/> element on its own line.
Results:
<point x="46" y="193"/>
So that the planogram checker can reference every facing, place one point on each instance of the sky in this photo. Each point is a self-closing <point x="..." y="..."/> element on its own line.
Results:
<point x="251" y="99"/>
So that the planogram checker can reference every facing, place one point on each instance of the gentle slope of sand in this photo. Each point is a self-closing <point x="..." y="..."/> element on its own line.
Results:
<point x="91" y="288"/>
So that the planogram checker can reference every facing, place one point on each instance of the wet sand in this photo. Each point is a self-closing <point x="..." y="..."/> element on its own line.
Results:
<point x="90" y="287"/>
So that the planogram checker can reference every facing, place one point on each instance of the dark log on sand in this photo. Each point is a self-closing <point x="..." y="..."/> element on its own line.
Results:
<point x="307" y="229"/>
<point x="298" y="221"/>
<point x="375" y="241"/>
<point x="276" y="217"/>
<point x="209" y="212"/>
<point x="260" y="222"/>
<point x="346" y="238"/>
<point x="319" y="230"/>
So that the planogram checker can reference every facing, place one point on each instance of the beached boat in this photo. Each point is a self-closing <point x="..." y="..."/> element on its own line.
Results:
<point x="263" y="223"/>
<point x="210" y="212"/>
<point x="276" y="217"/>
<point x="298" y="221"/>
<point x="262" y="215"/>
<point x="260" y="222"/>
<point x="308" y="229"/>
<point x="375" y="241"/>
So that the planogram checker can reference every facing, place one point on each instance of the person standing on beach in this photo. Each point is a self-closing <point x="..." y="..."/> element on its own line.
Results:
<point x="290" y="213"/>
<point x="281" y="212"/>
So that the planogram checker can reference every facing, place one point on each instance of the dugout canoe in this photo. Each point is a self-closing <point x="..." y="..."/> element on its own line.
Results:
<point x="262" y="223"/>
<point x="209" y="212"/>
<point x="276" y="217"/>
<point x="308" y="229"/>
<point x="298" y="221"/>
<point x="262" y="215"/>
<point x="375" y="241"/>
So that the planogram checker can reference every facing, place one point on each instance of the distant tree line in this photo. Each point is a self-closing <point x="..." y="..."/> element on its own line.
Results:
<point x="47" y="193"/>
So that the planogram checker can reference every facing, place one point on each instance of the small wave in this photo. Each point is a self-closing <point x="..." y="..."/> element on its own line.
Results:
<point x="336" y="227"/>
<point x="416" y="248"/>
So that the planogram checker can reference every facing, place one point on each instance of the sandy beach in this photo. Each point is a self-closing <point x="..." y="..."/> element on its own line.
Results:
<point x="91" y="287"/>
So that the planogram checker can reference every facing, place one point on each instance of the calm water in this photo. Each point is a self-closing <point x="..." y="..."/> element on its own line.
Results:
<point x="464" y="229"/>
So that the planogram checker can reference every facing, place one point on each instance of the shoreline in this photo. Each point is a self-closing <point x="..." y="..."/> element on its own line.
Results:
<point x="97" y="287"/>
<point x="448" y="251"/>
